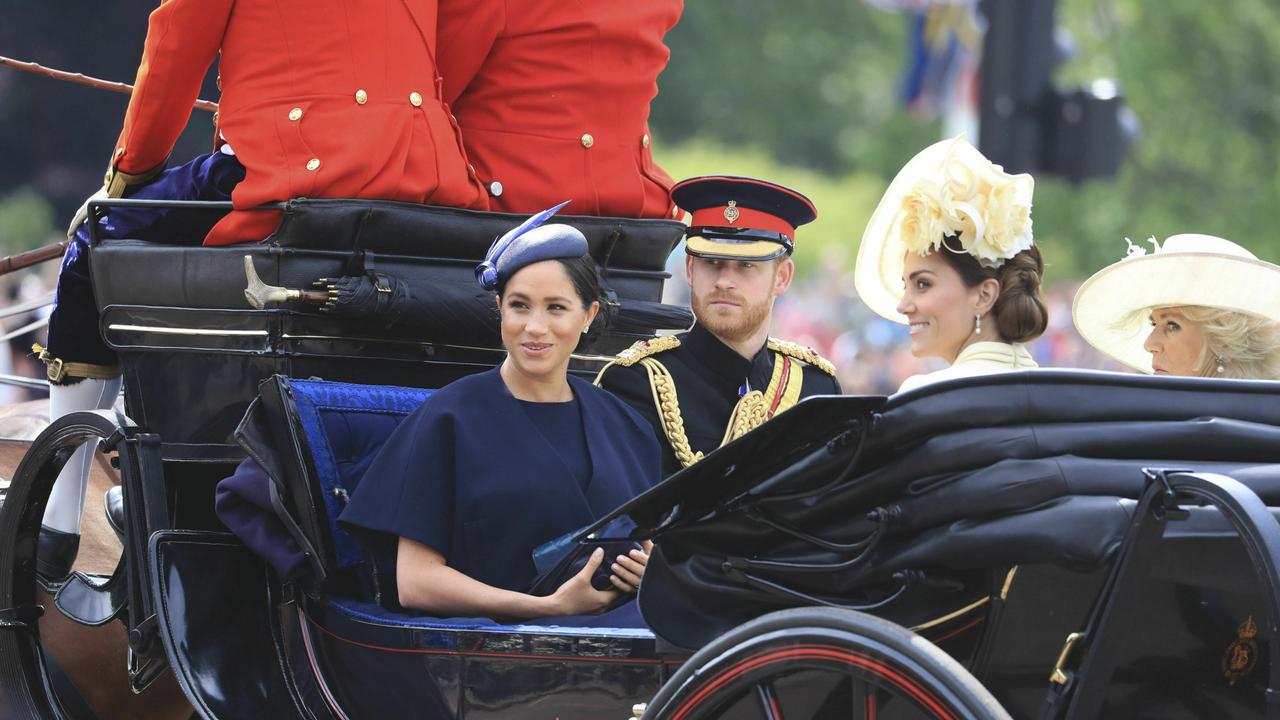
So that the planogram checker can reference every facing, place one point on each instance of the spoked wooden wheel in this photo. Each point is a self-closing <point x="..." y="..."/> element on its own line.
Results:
<point x="822" y="664"/>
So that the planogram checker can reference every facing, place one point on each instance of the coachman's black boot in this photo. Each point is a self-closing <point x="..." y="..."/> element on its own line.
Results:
<point x="55" y="553"/>
<point x="113" y="504"/>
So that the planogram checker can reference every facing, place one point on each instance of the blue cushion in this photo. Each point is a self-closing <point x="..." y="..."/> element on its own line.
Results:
<point x="346" y="424"/>
<point x="622" y="622"/>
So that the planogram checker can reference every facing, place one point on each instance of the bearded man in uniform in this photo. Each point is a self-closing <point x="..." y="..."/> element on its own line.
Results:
<point x="726" y="376"/>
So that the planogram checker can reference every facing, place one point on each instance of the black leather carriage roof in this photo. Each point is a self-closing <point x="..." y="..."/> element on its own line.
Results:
<point x="806" y="439"/>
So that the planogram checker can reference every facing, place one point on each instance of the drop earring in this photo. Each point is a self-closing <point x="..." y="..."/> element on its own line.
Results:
<point x="1222" y="364"/>
<point x="977" y="324"/>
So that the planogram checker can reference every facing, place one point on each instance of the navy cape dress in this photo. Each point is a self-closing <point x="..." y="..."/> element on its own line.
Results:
<point x="472" y="476"/>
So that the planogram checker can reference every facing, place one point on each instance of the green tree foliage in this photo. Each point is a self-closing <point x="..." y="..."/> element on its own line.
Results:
<point x="814" y="81"/>
<point x="814" y="85"/>
<point x="26" y="221"/>
<point x="1204" y="79"/>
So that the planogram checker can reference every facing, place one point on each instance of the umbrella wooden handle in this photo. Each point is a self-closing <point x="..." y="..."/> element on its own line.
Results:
<point x="259" y="294"/>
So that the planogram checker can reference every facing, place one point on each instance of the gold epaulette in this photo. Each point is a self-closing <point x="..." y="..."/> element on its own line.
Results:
<point x="800" y="352"/>
<point x="645" y="348"/>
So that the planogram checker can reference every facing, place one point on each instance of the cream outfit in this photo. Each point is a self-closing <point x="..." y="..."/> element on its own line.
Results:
<point x="980" y="358"/>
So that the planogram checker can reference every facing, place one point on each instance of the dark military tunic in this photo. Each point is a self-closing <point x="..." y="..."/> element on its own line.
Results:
<point x="709" y="378"/>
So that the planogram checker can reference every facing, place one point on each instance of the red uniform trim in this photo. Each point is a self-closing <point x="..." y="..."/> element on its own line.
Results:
<point x="877" y="667"/>
<point x="747" y="218"/>
<point x="782" y="387"/>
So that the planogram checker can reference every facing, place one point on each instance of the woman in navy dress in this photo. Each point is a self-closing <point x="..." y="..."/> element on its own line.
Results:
<point x="498" y="463"/>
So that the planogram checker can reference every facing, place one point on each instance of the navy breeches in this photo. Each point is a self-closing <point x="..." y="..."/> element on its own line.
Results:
<point x="73" y="327"/>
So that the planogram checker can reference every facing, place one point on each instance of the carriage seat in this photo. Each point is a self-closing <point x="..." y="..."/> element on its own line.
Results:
<point x="315" y="439"/>
<point x="318" y="238"/>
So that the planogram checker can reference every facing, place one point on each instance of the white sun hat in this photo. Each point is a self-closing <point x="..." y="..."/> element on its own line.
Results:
<point x="1111" y="308"/>
<point x="949" y="188"/>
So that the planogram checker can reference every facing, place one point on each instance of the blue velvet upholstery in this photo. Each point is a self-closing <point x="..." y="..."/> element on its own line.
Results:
<point x="346" y="425"/>
<point x="621" y="622"/>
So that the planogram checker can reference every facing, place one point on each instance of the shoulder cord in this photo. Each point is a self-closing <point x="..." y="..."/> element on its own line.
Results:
<point x="747" y="415"/>
<point x="664" y="399"/>
<point x="751" y="411"/>
<point x="754" y="408"/>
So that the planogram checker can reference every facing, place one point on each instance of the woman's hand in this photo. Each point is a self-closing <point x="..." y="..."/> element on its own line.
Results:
<point x="629" y="569"/>
<point x="577" y="597"/>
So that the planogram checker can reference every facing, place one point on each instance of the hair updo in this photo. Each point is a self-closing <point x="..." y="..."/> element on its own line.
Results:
<point x="1020" y="312"/>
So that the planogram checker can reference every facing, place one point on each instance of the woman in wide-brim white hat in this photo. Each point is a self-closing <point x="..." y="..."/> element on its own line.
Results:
<point x="949" y="252"/>
<point x="1198" y="306"/>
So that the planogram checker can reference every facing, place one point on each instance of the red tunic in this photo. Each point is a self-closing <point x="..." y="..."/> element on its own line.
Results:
<point x="321" y="98"/>
<point x="553" y="99"/>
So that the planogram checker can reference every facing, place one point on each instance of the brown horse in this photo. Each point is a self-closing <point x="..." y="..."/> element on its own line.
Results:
<point x="93" y="658"/>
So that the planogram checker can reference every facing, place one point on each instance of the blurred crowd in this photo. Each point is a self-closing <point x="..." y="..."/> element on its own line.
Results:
<point x="873" y="355"/>
<point x="31" y="287"/>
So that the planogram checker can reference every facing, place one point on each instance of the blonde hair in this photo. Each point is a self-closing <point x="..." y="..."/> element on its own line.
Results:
<point x="1245" y="346"/>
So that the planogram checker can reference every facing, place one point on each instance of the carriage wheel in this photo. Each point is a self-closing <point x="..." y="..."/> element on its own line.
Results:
<point x="821" y="663"/>
<point x="25" y="686"/>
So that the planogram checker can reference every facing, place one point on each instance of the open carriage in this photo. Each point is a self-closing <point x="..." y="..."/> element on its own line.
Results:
<point x="1113" y="532"/>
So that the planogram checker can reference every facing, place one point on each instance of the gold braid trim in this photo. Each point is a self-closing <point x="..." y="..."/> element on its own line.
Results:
<point x="664" y="399"/>
<point x="800" y="352"/>
<point x="645" y="348"/>
<point x="638" y="351"/>
<point x="747" y="415"/>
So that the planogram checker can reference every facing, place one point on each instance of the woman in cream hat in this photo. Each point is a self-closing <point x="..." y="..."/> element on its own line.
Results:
<point x="949" y="252"/>
<point x="1198" y="306"/>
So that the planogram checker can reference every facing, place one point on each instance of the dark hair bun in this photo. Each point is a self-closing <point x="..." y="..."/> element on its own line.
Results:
<point x="1020" y="312"/>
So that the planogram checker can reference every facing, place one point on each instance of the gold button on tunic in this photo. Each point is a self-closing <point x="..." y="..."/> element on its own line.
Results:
<point x="313" y="163"/>
<point x="415" y="99"/>
<point x="587" y="140"/>
<point x="295" y="114"/>
<point x="362" y="97"/>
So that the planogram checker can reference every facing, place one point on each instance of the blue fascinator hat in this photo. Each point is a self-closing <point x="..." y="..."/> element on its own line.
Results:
<point x="530" y="242"/>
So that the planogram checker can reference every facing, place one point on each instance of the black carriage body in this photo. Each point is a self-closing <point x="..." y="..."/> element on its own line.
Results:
<point x="195" y="352"/>
<point x="986" y="514"/>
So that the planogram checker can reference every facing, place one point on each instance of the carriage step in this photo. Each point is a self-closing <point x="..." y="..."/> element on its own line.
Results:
<point x="92" y="600"/>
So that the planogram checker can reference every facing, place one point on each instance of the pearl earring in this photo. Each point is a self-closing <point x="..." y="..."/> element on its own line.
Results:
<point x="977" y="324"/>
<point x="1222" y="364"/>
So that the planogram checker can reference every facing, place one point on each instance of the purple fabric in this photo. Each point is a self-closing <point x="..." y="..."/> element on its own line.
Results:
<point x="243" y="503"/>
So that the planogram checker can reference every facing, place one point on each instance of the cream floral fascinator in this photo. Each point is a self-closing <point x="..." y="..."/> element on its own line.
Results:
<point x="947" y="189"/>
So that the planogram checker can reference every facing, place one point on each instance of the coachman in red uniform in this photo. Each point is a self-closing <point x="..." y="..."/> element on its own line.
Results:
<point x="553" y="100"/>
<point x="321" y="98"/>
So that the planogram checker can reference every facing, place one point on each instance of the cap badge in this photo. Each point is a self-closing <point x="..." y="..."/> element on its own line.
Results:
<point x="731" y="213"/>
